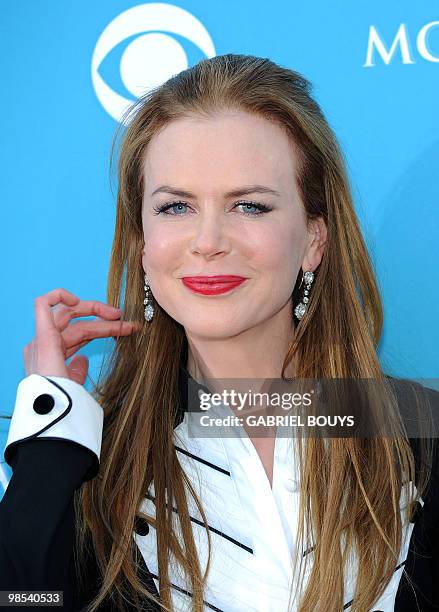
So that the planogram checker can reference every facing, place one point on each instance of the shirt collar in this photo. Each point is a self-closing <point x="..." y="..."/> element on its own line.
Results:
<point x="188" y="393"/>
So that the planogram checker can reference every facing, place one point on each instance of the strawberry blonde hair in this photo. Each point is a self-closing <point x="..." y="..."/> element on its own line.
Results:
<point x="350" y="487"/>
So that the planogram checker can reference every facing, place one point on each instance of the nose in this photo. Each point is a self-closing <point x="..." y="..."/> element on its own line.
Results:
<point x="210" y="235"/>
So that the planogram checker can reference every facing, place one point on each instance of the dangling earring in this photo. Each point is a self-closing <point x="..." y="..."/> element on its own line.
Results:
<point x="300" y="309"/>
<point x="149" y="308"/>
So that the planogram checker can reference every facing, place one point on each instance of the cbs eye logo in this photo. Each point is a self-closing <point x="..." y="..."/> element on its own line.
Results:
<point x="156" y="54"/>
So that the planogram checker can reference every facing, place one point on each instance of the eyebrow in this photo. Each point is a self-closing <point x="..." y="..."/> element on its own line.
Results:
<point x="245" y="190"/>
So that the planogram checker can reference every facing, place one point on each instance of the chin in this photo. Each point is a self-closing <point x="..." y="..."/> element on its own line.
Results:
<point x="210" y="328"/>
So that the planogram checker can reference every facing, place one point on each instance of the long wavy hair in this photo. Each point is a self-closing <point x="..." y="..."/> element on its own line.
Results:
<point x="350" y="488"/>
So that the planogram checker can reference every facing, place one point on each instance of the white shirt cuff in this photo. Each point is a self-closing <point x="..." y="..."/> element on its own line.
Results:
<point x="55" y="407"/>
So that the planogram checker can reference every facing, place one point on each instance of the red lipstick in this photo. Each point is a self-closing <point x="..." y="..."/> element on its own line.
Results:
<point x="212" y="285"/>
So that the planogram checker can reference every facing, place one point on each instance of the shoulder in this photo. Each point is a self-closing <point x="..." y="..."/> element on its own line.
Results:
<point x="418" y="406"/>
<point x="419" y="409"/>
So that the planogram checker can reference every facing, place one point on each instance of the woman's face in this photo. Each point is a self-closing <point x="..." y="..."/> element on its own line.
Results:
<point x="210" y="231"/>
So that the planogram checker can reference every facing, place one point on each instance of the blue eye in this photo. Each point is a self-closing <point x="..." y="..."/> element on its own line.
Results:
<point x="164" y="207"/>
<point x="261" y="208"/>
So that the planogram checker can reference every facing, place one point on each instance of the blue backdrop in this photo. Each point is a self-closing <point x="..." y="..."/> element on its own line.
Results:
<point x="70" y="68"/>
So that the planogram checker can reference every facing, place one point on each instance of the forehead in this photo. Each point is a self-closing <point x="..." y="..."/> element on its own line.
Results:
<point x="223" y="149"/>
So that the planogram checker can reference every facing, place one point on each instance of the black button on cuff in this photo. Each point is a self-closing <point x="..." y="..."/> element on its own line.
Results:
<point x="141" y="526"/>
<point x="44" y="403"/>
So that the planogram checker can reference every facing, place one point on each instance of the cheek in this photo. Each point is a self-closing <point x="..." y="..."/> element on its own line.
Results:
<point x="278" y="248"/>
<point x="163" y="247"/>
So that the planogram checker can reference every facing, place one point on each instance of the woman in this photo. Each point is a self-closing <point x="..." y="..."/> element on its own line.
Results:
<point x="228" y="169"/>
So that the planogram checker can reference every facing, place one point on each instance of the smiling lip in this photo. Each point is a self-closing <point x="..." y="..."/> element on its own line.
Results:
<point x="212" y="285"/>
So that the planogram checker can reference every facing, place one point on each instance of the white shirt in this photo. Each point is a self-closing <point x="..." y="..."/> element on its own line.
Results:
<point x="254" y="538"/>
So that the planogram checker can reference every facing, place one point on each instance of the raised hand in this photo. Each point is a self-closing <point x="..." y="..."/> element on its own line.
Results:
<point x="56" y="338"/>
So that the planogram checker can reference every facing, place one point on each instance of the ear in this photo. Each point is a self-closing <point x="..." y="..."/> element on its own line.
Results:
<point x="317" y="232"/>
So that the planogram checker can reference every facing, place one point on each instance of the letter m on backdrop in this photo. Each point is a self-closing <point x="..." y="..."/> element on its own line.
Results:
<point x="375" y="45"/>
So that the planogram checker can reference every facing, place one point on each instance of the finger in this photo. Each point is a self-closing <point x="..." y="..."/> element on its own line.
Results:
<point x="43" y="315"/>
<point x="76" y="333"/>
<point x="74" y="349"/>
<point x="62" y="314"/>
<point x="78" y="368"/>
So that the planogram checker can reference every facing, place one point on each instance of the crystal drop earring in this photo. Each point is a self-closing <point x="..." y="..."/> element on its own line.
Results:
<point x="300" y="309"/>
<point x="149" y="308"/>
